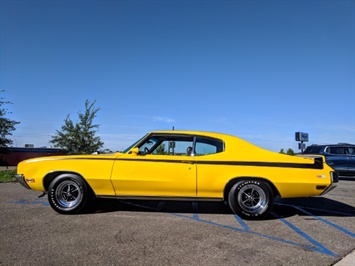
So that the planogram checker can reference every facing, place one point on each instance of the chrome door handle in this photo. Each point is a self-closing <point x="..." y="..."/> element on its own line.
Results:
<point x="189" y="162"/>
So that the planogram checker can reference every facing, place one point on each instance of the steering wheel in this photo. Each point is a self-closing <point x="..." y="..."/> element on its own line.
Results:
<point x="146" y="150"/>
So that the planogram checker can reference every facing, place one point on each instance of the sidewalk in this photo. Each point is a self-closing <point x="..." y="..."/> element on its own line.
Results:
<point x="348" y="260"/>
<point x="3" y="168"/>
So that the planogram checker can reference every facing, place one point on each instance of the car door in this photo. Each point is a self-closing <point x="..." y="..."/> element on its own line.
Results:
<point x="211" y="175"/>
<point x="161" y="168"/>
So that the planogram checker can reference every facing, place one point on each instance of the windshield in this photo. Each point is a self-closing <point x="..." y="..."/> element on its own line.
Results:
<point x="130" y="147"/>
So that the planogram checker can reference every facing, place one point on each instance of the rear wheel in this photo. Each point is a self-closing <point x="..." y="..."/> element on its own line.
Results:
<point x="68" y="194"/>
<point x="251" y="199"/>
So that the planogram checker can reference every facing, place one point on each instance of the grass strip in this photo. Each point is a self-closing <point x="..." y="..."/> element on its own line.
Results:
<point x="7" y="176"/>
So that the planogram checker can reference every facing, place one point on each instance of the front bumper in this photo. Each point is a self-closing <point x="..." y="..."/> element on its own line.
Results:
<point x="21" y="179"/>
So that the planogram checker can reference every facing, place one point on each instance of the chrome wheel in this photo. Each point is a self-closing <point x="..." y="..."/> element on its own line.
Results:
<point x="68" y="194"/>
<point x="252" y="199"/>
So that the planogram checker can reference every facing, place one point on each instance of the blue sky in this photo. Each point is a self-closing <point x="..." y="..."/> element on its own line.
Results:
<point x="260" y="70"/>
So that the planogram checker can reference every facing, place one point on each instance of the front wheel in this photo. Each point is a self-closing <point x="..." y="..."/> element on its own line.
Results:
<point x="68" y="194"/>
<point x="251" y="199"/>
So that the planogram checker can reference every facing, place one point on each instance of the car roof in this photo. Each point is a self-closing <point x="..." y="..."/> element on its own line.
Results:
<point x="335" y="145"/>
<point x="199" y="133"/>
<point x="193" y="132"/>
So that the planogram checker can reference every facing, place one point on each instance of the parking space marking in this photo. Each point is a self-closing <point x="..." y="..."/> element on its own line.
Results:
<point x="324" y="251"/>
<point x="316" y="246"/>
<point x="323" y="220"/>
<point x="161" y="205"/>
<point x="242" y="222"/>
<point x="32" y="202"/>
<point x="195" y="210"/>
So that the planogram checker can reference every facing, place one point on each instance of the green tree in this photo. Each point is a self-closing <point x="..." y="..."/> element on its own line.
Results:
<point x="80" y="137"/>
<point x="288" y="152"/>
<point x="7" y="126"/>
<point x="161" y="149"/>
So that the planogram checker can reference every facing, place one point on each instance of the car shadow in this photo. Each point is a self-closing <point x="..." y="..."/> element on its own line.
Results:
<point x="313" y="206"/>
<point x="283" y="208"/>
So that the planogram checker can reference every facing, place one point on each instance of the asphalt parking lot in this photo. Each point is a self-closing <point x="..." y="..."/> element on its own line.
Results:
<point x="312" y="231"/>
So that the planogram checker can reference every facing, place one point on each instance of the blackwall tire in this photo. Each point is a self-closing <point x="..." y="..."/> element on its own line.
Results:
<point x="251" y="199"/>
<point x="68" y="194"/>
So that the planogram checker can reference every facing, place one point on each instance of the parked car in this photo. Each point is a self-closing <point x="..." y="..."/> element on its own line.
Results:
<point x="179" y="165"/>
<point x="341" y="157"/>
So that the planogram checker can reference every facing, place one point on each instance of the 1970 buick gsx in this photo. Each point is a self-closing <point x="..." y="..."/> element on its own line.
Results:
<point x="180" y="165"/>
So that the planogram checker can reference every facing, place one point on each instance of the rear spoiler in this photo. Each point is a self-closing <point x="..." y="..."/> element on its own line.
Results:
<point x="315" y="156"/>
<point x="319" y="160"/>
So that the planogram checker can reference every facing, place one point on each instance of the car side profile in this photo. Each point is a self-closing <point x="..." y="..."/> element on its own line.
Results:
<point x="341" y="157"/>
<point x="180" y="165"/>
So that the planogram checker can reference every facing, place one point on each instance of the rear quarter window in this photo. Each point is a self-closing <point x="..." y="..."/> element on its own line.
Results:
<point x="206" y="146"/>
<point x="351" y="150"/>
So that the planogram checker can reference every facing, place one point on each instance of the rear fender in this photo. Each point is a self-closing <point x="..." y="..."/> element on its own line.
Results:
<point x="235" y="180"/>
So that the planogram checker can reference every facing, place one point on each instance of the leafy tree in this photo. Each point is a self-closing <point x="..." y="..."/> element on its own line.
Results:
<point x="161" y="149"/>
<point x="105" y="151"/>
<point x="80" y="137"/>
<point x="288" y="152"/>
<point x="7" y="126"/>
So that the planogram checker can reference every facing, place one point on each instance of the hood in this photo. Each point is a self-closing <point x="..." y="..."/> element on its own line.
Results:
<point x="68" y="157"/>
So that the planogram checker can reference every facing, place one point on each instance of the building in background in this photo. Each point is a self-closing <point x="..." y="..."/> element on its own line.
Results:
<point x="17" y="154"/>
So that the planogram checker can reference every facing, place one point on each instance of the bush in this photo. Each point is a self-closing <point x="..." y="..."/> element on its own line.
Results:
<point x="7" y="176"/>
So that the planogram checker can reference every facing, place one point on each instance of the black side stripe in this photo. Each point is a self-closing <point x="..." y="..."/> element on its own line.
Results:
<point x="267" y="164"/>
<point x="318" y="163"/>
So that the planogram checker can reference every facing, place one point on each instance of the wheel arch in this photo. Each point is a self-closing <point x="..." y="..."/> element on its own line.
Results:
<point x="235" y="180"/>
<point x="47" y="180"/>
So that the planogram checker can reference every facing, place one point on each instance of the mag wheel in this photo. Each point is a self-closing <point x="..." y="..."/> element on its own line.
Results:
<point x="68" y="194"/>
<point x="251" y="199"/>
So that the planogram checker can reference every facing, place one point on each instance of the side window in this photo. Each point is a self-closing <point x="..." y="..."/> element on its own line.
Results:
<point x="206" y="146"/>
<point x="332" y="150"/>
<point x="337" y="150"/>
<point x="177" y="146"/>
<point x="351" y="150"/>
<point x="148" y="145"/>
<point x="168" y="145"/>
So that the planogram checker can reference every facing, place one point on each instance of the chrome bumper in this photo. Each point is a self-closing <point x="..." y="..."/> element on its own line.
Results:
<point x="21" y="179"/>
<point x="335" y="180"/>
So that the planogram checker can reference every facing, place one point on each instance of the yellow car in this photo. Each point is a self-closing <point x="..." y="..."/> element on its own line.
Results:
<point x="180" y="165"/>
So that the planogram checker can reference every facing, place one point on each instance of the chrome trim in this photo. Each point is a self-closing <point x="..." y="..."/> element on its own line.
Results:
<point x="334" y="184"/>
<point x="68" y="194"/>
<point x="21" y="179"/>
<point x="128" y="197"/>
<point x="335" y="177"/>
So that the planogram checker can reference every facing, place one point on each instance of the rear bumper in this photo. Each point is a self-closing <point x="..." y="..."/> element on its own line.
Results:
<point x="334" y="184"/>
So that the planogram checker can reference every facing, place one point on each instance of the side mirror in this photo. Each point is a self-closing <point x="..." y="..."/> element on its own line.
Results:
<point x="135" y="151"/>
